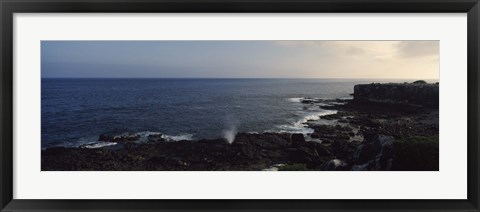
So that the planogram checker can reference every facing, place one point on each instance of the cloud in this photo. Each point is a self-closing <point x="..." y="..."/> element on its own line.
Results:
<point x="374" y="49"/>
<point x="367" y="49"/>
<point x="418" y="48"/>
<point x="355" y="51"/>
<point x="371" y="59"/>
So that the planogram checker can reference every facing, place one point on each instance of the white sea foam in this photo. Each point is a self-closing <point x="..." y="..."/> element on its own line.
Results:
<point x="293" y="129"/>
<point x="180" y="137"/>
<point x="296" y="99"/>
<point x="301" y="126"/>
<point x="144" y="136"/>
<point x="323" y="104"/>
<point x="346" y="98"/>
<point x="98" y="145"/>
<point x="316" y="116"/>
<point x="275" y="167"/>
<point x="147" y="133"/>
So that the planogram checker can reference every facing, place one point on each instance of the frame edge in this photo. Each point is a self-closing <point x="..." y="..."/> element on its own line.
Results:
<point x="6" y="108"/>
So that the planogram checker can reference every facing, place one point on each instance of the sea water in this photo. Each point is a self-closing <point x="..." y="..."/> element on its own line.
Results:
<point x="77" y="111"/>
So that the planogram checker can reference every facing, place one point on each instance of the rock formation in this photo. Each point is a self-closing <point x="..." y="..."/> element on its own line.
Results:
<point x="398" y="93"/>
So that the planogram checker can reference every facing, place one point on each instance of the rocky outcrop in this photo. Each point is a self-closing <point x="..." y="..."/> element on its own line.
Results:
<point x="298" y="140"/>
<point x="376" y="153"/>
<point x="398" y="93"/>
<point x="334" y="165"/>
<point x="247" y="152"/>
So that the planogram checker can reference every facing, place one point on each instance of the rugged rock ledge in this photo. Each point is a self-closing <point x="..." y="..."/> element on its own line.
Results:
<point x="247" y="152"/>
<point x="400" y="133"/>
<point x="418" y="93"/>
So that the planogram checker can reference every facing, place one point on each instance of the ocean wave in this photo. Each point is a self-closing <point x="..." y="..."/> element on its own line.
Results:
<point x="346" y="98"/>
<point x="316" y="116"/>
<point x="323" y="104"/>
<point x="337" y="103"/>
<point x="180" y="137"/>
<point x="301" y="126"/>
<point x="96" y="145"/>
<point x="300" y="99"/>
<point x="294" y="128"/>
<point x="145" y="134"/>
<point x="295" y="99"/>
<point x="142" y="137"/>
<point x="319" y="101"/>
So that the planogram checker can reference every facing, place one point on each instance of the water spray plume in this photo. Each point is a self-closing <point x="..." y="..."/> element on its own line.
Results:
<point x="229" y="135"/>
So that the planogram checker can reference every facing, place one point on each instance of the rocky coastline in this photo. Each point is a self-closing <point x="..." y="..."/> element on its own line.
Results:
<point x="385" y="127"/>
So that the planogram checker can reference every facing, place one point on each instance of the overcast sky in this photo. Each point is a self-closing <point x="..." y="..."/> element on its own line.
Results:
<point x="241" y="59"/>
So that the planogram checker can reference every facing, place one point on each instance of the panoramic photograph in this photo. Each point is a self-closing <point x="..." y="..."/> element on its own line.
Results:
<point x="240" y="105"/>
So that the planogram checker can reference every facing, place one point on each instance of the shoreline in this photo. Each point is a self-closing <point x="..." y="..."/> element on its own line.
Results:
<point x="292" y="127"/>
<point x="361" y="135"/>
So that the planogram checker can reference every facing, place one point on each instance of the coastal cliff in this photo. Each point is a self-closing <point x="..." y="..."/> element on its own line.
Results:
<point x="419" y="93"/>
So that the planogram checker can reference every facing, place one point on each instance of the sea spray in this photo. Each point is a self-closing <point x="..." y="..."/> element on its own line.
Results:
<point x="229" y="134"/>
<point x="230" y="127"/>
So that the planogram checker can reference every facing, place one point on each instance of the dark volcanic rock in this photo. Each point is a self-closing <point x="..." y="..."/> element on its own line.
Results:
<point x="335" y="165"/>
<point x="312" y="154"/>
<point x="267" y="141"/>
<point x="247" y="152"/>
<point x="398" y="93"/>
<point x="319" y="149"/>
<point x="155" y="138"/>
<point x="298" y="140"/>
<point x="329" y="133"/>
<point x="344" y="150"/>
<point x="376" y="153"/>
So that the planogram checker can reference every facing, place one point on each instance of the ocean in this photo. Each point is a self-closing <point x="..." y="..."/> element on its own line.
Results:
<point x="76" y="111"/>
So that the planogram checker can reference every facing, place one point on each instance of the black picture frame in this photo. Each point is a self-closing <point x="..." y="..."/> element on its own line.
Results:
<point x="9" y="7"/>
